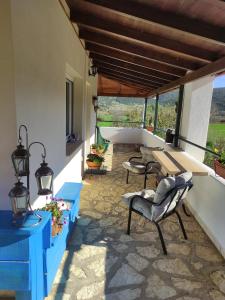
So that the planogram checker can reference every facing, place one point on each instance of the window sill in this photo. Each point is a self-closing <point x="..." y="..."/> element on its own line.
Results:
<point x="72" y="147"/>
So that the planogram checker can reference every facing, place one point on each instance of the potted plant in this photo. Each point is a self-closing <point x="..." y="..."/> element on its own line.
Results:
<point x="56" y="207"/>
<point x="97" y="149"/>
<point x="94" y="161"/>
<point x="94" y="148"/>
<point x="150" y="127"/>
<point x="219" y="164"/>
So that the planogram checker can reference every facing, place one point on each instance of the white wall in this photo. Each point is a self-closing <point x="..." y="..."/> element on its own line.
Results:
<point x="122" y="135"/>
<point x="7" y="105"/>
<point x="195" y="115"/>
<point x="45" y="47"/>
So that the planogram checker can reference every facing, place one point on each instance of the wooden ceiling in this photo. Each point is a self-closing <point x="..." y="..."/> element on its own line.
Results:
<point x="151" y="46"/>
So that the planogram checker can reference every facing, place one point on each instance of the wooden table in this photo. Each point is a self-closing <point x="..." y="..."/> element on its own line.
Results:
<point x="174" y="162"/>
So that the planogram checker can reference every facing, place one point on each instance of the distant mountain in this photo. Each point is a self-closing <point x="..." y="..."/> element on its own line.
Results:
<point x="218" y="100"/>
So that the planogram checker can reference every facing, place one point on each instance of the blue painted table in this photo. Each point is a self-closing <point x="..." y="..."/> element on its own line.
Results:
<point x="30" y="256"/>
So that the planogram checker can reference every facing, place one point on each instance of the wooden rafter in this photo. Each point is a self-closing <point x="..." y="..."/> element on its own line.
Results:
<point x="89" y="14"/>
<point x="211" y="69"/>
<point x="128" y="83"/>
<point x="104" y="60"/>
<point x="157" y="66"/>
<point x="130" y="66"/>
<point x="138" y="48"/>
<point x="117" y="68"/>
<point x="157" y="44"/>
<point x="119" y="76"/>
<point x="104" y="69"/>
<point x="146" y="11"/>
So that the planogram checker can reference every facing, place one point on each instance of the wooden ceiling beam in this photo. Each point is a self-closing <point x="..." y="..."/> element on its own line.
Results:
<point x="148" y="12"/>
<point x="127" y="82"/>
<point x="111" y="52"/>
<point x="96" y="16"/>
<point x="118" y="68"/>
<point x="211" y="69"/>
<point x="138" y="48"/>
<point x="129" y="74"/>
<point x="127" y="65"/>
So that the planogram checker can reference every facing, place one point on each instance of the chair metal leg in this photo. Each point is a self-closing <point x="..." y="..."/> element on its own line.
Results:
<point x="181" y="225"/>
<point x="161" y="238"/>
<point x="145" y="181"/>
<point x="129" y="221"/>
<point x="127" y="176"/>
<point x="185" y="210"/>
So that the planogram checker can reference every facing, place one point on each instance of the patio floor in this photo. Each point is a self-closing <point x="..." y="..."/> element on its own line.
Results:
<point x="102" y="262"/>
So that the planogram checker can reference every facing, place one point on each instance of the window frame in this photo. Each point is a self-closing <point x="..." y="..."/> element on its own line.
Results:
<point x="69" y="107"/>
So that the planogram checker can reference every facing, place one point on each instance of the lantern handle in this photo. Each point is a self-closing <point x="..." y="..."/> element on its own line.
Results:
<point x="20" y="138"/>
<point x="43" y="155"/>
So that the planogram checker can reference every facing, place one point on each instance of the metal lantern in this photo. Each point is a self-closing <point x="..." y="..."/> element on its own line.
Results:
<point x="19" y="196"/>
<point x="93" y="70"/>
<point x="20" y="159"/>
<point x="44" y="176"/>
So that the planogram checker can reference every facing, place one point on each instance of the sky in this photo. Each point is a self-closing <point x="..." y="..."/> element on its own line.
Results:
<point x="219" y="81"/>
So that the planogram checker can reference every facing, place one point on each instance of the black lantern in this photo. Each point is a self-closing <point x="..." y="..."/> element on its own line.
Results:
<point x="44" y="177"/>
<point x="93" y="70"/>
<point x="19" y="196"/>
<point x="95" y="103"/>
<point x="20" y="159"/>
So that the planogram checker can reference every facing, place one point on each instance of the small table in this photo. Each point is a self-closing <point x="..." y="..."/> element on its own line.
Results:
<point x="174" y="162"/>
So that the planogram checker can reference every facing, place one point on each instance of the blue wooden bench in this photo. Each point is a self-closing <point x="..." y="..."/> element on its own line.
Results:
<point x="30" y="256"/>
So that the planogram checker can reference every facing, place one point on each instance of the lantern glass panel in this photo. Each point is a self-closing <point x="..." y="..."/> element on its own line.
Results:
<point x="20" y="166"/>
<point x="19" y="204"/>
<point x="46" y="182"/>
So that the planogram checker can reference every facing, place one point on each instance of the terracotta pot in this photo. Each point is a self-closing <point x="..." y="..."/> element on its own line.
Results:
<point x="93" y="165"/>
<point x="56" y="229"/>
<point x="150" y="128"/>
<point x="219" y="168"/>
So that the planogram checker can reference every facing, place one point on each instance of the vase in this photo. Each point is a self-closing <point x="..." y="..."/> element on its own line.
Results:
<point x="93" y="165"/>
<point x="219" y="168"/>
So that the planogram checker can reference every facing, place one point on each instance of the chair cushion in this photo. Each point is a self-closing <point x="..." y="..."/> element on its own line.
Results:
<point x="135" y="167"/>
<point x="164" y="187"/>
<point x="142" y="206"/>
<point x="146" y="153"/>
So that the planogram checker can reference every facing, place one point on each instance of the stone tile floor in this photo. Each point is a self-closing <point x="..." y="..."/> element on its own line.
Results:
<point x="102" y="262"/>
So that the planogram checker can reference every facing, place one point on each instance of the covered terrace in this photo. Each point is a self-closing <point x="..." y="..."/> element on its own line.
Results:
<point x="140" y="48"/>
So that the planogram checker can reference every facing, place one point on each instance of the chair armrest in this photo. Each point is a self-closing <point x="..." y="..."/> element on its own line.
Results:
<point x="133" y="157"/>
<point x="140" y="198"/>
<point x="151" y="164"/>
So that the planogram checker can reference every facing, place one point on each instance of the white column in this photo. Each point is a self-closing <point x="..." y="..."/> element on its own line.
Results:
<point x="195" y="115"/>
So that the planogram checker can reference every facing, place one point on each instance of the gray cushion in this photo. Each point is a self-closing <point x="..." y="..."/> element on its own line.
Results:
<point x="142" y="206"/>
<point x="135" y="167"/>
<point x="164" y="187"/>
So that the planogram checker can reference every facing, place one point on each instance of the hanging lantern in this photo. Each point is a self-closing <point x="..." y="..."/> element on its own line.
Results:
<point x="19" y="196"/>
<point x="44" y="177"/>
<point x="20" y="159"/>
<point x="93" y="70"/>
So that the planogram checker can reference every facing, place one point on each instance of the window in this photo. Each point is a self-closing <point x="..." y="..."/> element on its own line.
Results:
<point x="69" y="108"/>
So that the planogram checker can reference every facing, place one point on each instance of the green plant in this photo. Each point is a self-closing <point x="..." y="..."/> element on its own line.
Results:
<point x="222" y="157"/>
<point x="95" y="158"/>
<point x="56" y="207"/>
<point x="94" y="146"/>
